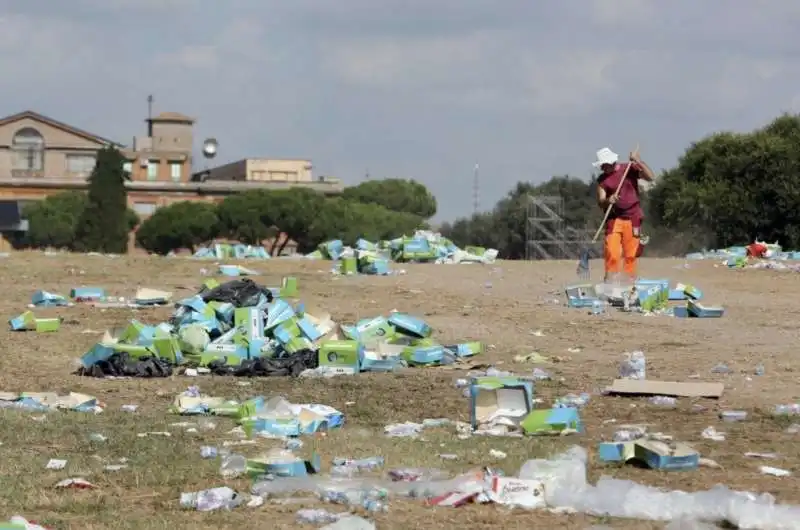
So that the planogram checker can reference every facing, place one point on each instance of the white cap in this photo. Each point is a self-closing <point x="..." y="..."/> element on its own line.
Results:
<point x="605" y="156"/>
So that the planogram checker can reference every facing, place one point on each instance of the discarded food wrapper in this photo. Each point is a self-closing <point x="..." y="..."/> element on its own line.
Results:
<point x="76" y="483"/>
<point x="511" y="491"/>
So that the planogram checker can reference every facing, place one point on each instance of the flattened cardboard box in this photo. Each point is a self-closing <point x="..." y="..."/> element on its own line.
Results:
<point x="636" y="387"/>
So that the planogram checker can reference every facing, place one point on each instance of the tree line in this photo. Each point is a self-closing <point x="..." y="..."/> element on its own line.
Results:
<point x="727" y="188"/>
<point x="100" y="221"/>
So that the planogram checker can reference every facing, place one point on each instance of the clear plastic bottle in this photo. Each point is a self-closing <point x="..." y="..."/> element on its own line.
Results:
<point x="664" y="401"/>
<point x="598" y="307"/>
<point x="316" y="516"/>
<point x="211" y="499"/>
<point x="733" y="415"/>
<point x="634" y="366"/>
<point x="791" y="409"/>
<point x="233" y="465"/>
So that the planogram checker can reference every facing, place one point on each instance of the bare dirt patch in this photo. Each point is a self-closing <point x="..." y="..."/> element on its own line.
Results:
<point x="500" y="305"/>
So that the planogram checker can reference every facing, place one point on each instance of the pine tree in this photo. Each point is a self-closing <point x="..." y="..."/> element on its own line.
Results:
<point x="103" y="227"/>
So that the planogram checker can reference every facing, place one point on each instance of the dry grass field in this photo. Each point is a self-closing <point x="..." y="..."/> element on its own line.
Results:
<point x="501" y="305"/>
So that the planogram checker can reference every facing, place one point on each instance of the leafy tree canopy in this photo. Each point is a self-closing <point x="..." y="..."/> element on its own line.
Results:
<point x="397" y="195"/>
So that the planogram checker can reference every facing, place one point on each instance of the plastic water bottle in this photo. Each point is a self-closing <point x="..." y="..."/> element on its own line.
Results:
<point x="664" y="401"/>
<point x="316" y="516"/>
<point x="792" y="409"/>
<point x="208" y="452"/>
<point x="598" y="307"/>
<point x="634" y="366"/>
<point x="211" y="499"/>
<point x="733" y="415"/>
<point x="233" y="465"/>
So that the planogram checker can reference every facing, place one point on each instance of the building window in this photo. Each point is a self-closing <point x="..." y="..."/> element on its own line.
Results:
<point x="144" y="209"/>
<point x="28" y="147"/>
<point x="152" y="169"/>
<point x="176" y="171"/>
<point x="81" y="164"/>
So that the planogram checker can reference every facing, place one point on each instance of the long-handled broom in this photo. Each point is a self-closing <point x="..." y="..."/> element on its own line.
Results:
<point x="583" y="261"/>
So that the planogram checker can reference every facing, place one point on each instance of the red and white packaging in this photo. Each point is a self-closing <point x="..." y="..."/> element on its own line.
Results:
<point x="524" y="493"/>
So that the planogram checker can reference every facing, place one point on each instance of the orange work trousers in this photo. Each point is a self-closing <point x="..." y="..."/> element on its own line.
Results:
<point x="621" y="248"/>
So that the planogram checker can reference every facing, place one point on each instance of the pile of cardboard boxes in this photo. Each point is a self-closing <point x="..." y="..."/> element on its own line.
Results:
<point x="201" y="332"/>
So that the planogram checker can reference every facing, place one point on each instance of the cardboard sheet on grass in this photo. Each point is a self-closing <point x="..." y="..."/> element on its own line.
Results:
<point x="633" y="387"/>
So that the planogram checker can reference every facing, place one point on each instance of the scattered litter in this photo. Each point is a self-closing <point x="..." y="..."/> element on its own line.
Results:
<point x="664" y="401"/>
<point x="211" y="499"/>
<point x="27" y="321"/>
<point x="710" y="433"/>
<point x="733" y="415"/>
<point x="56" y="464"/>
<point x="665" y="388"/>
<point x="75" y="483"/>
<point x="317" y="516"/>
<point x="633" y="366"/>
<point x="49" y="401"/>
<point x="774" y="471"/>
<point x="768" y="456"/>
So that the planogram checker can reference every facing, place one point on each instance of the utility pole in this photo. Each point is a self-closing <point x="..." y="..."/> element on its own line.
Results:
<point x="475" y="190"/>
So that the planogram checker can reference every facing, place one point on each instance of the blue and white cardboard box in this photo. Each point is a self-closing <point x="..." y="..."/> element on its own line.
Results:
<point x="410" y="325"/>
<point x="615" y="451"/>
<point x="698" y="310"/>
<point x="46" y="299"/>
<point x="667" y="457"/>
<point x="505" y="399"/>
<point x="654" y="454"/>
<point x="581" y="295"/>
<point x="382" y="357"/>
<point x="283" y="463"/>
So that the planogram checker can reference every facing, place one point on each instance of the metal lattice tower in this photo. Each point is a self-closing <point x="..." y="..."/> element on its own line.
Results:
<point x="547" y="236"/>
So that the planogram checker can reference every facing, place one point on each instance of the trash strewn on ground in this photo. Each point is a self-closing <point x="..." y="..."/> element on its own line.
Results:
<point x="27" y="321"/>
<point x="241" y="328"/>
<point x="232" y="251"/>
<point x="259" y="416"/>
<point x="557" y="484"/>
<point x="97" y="296"/>
<point x="49" y="401"/>
<point x="756" y="255"/>
<point x="423" y="247"/>
<point x="643" y="296"/>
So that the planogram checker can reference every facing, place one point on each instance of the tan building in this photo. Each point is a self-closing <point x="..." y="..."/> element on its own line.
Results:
<point x="40" y="156"/>
<point x="267" y="170"/>
<point x="35" y="146"/>
<point x="165" y="154"/>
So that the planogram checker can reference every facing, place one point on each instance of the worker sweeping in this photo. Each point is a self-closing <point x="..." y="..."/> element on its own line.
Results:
<point x="618" y="193"/>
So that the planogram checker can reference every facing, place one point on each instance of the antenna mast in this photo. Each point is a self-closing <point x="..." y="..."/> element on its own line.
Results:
<point x="150" y="115"/>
